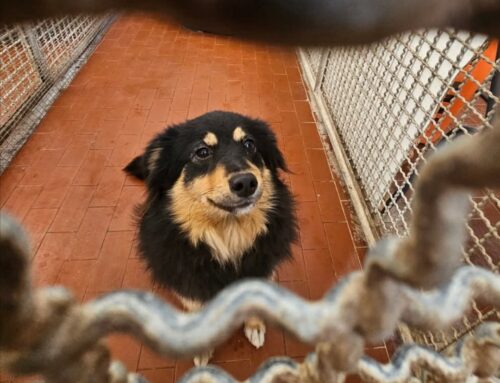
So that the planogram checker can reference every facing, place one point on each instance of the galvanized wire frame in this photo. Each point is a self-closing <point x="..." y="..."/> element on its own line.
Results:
<point x="37" y="60"/>
<point x="392" y="104"/>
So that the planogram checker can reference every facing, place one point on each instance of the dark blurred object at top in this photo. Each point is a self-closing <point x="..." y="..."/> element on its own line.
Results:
<point x="291" y="22"/>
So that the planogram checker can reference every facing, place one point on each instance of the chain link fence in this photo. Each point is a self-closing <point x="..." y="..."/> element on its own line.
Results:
<point x="36" y="61"/>
<point x="389" y="106"/>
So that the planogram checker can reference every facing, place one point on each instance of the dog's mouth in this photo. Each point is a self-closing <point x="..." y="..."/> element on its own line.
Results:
<point x="242" y="206"/>
<point x="233" y="208"/>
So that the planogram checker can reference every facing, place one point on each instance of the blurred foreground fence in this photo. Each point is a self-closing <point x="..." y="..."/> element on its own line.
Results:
<point x="46" y="332"/>
<point x="36" y="61"/>
<point x="390" y="105"/>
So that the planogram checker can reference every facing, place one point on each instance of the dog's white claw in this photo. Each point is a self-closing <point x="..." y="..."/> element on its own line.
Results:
<point x="256" y="334"/>
<point x="203" y="359"/>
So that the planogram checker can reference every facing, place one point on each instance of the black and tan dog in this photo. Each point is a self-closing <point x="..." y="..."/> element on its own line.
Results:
<point x="216" y="210"/>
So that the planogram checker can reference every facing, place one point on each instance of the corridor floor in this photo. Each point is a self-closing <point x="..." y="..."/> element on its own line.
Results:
<point x="67" y="188"/>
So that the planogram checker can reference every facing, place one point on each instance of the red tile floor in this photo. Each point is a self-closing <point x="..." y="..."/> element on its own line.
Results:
<point x="67" y="187"/>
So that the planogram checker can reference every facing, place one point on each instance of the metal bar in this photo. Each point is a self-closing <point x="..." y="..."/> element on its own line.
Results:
<point x="28" y="30"/>
<point x="321" y="68"/>
<point x="495" y="86"/>
<point x="362" y="211"/>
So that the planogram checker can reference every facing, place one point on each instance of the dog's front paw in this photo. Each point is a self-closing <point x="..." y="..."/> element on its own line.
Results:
<point x="203" y="359"/>
<point x="255" y="331"/>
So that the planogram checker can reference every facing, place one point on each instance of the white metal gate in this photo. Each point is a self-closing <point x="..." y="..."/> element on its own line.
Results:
<point x="388" y="106"/>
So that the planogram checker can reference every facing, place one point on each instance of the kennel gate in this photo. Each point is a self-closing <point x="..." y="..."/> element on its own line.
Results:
<point x="388" y="106"/>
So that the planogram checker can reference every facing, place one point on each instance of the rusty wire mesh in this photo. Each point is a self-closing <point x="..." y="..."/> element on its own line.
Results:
<point x="36" y="61"/>
<point x="394" y="103"/>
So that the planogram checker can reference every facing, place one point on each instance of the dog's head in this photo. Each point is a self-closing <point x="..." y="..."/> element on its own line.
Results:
<point x="222" y="162"/>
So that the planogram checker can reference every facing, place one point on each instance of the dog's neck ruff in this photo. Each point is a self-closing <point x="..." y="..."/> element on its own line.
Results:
<point x="232" y="237"/>
<point x="228" y="236"/>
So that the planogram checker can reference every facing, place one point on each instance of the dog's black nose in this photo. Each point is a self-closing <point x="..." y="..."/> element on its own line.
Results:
<point x="243" y="185"/>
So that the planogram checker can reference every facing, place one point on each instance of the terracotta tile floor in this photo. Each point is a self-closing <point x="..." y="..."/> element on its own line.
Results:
<point x="67" y="187"/>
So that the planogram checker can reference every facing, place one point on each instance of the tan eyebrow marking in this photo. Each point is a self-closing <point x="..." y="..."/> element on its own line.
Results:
<point x="210" y="139"/>
<point x="238" y="134"/>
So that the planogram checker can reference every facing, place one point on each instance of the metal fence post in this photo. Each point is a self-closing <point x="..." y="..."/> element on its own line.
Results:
<point x="29" y="32"/>
<point x="321" y="68"/>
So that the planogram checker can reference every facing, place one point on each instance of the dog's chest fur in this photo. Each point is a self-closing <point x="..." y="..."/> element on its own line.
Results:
<point x="228" y="238"/>
<point x="231" y="238"/>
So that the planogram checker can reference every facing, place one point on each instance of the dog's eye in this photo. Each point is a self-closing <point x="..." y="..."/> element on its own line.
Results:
<point x="202" y="153"/>
<point x="249" y="145"/>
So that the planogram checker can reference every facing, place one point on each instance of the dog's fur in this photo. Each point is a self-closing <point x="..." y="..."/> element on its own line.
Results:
<point x="195" y="234"/>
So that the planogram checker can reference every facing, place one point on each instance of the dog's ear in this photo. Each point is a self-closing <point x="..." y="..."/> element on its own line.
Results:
<point x="273" y="156"/>
<point x="279" y="160"/>
<point x="145" y="166"/>
<point x="137" y="168"/>
<point x="161" y="160"/>
<point x="268" y="147"/>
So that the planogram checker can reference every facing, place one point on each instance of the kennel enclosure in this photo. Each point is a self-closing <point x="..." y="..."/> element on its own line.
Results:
<point x="388" y="106"/>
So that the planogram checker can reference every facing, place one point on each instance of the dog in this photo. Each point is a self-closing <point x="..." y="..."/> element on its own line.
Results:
<point x="216" y="210"/>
